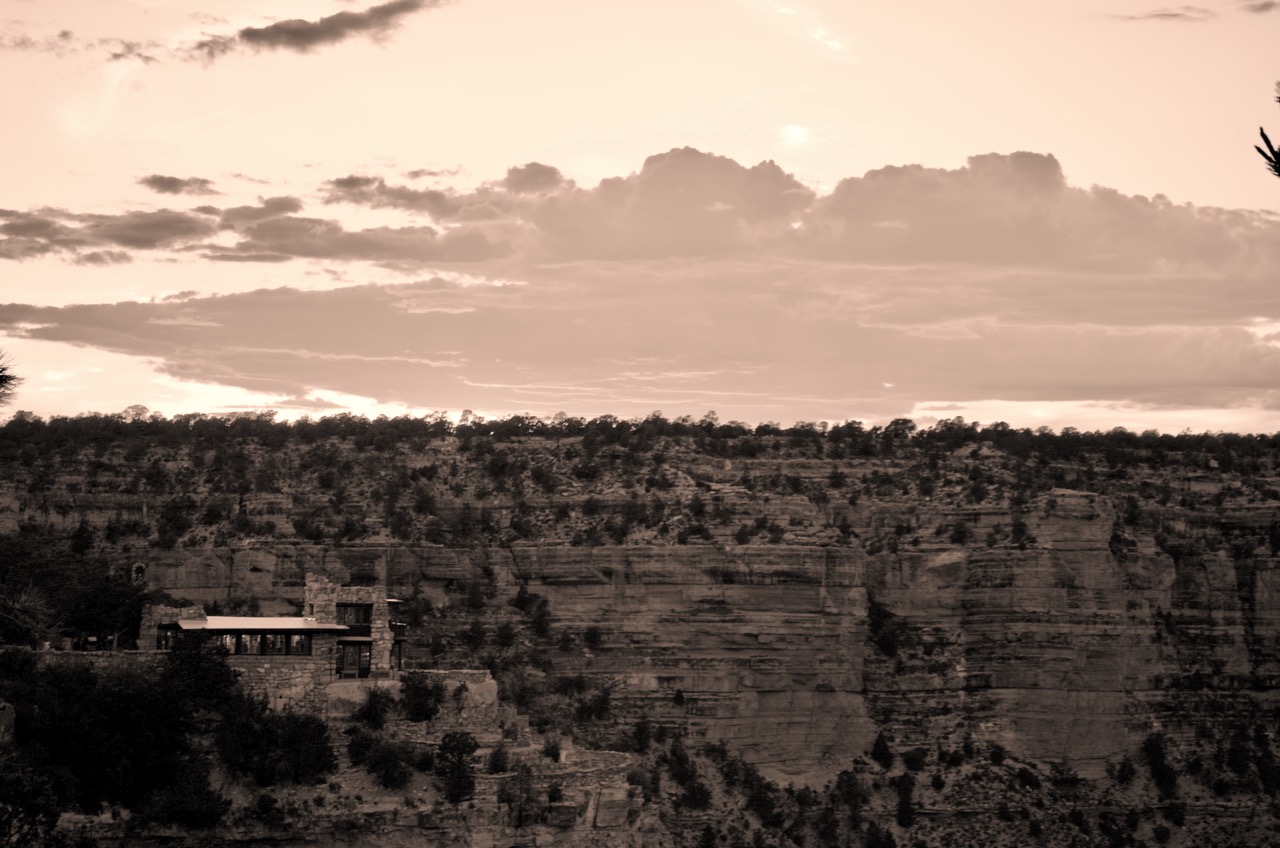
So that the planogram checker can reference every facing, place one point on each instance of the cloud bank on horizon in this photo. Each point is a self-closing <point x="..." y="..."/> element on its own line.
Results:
<point x="699" y="283"/>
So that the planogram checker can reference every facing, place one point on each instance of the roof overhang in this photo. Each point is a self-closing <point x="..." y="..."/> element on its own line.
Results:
<point x="260" y="624"/>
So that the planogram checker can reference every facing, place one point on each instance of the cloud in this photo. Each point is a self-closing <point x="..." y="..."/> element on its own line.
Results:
<point x="177" y="185"/>
<point x="103" y="257"/>
<point x="682" y="203"/>
<point x="315" y="238"/>
<point x="147" y="230"/>
<point x="1013" y="210"/>
<point x="61" y="44"/>
<point x="700" y="283"/>
<point x="302" y="36"/>
<point x="1018" y="209"/>
<point x="533" y="177"/>
<point x="271" y="207"/>
<point x="25" y="235"/>
<point x="133" y="50"/>
<point x="376" y="193"/>
<point x="66" y="43"/>
<point x="1261" y="7"/>
<point x="770" y="339"/>
<point x="1175" y="13"/>
<point x="419" y="173"/>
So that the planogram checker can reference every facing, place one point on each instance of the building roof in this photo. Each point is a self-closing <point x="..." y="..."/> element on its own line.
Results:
<point x="260" y="623"/>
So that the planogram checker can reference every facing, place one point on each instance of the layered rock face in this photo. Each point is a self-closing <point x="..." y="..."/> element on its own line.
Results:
<point x="792" y="607"/>
<point x="798" y="656"/>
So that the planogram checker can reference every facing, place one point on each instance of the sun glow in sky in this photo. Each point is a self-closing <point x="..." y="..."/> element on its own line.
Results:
<point x="1048" y="214"/>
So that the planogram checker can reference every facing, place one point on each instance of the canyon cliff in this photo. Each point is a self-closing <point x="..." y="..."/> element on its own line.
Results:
<point x="794" y="596"/>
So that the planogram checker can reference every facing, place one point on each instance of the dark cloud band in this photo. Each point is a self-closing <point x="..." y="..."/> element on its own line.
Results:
<point x="177" y="185"/>
<point x="302" y="36"/>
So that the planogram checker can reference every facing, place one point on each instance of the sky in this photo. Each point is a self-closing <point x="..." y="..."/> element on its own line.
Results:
<point x="1047" y="214"/>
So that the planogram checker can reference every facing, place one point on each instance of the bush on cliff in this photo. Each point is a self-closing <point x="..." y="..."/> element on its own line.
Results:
<point x="274" y="747"/>
<point x="28" y="806"/>
<point x="880" y="751"/>
<point x="1163" y="775"/>
<point x="116" y="738"/>
<point x="376" y="708"/>
<point x="454" y="767"/>
<point x="389" y="765"/>
<point x="421" y="696"/>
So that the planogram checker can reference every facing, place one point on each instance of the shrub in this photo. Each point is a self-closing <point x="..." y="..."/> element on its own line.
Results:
<point x="453" y="765"/>
<point x="275" y="748"/>
<point x="520" y="798"/>
<point x="389" y="765"/>
<point x="1163" y="775"/>
<point x="187" y="801"/>
<point x="596" y="707"/>
<point x="421" y="696"/>
<point x="877" y="837"/>
<point x="696" y="796"/>
<point x="915" y="759"/>
<point x="887" y="631"/>
<point x="359" y="745"/>
<point x="540" y="619"/>
<point x="880" y="752"/>
<point x="28" y="802"/>
<point x="648" y="781"/>
<point x="375" y="709"/>
<point x="551" y="749"/>
<point x="641" y="735"/>
<point x="906" y="813"/>
<point x="1028" y="778"/>
<point x="498" y="762"/>
<point x="1125" y="771"/>
<point x="425" y="760"/>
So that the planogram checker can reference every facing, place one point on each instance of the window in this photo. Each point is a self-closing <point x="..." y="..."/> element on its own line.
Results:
<point x="356" y="614"/>
<point x="251" y="643"/>
<point x="274" y="643"/>
<point x="166" y="637"/>
<point x="229" y="642"/>
<point x="300" y="644"/>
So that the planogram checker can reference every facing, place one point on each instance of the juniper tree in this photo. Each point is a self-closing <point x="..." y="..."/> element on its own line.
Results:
<point x="9" y="381"/>
<point x="1270" y="154"/>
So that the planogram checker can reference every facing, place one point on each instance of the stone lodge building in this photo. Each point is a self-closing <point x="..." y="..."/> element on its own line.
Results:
<point x="346" y="632"/>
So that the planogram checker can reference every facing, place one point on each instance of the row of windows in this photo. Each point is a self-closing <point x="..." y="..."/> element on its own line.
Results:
<point x="294" y="644"/>
<point x="270" y="644"/>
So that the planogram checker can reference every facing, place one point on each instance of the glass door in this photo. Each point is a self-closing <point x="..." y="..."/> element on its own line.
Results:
<point x="354" y="660"/>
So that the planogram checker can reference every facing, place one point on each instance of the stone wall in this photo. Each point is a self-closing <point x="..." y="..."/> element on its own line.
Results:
<point x="322" y="599"/>
<point x="470" y="705"/>
<point x="108" y="662"/>
<point x="156" y="615"/>
<point x="290" y="682"/>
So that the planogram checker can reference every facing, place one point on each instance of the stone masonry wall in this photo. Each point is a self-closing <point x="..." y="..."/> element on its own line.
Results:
<point x="289" y="683"/>
<point x="323" y="597"/>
